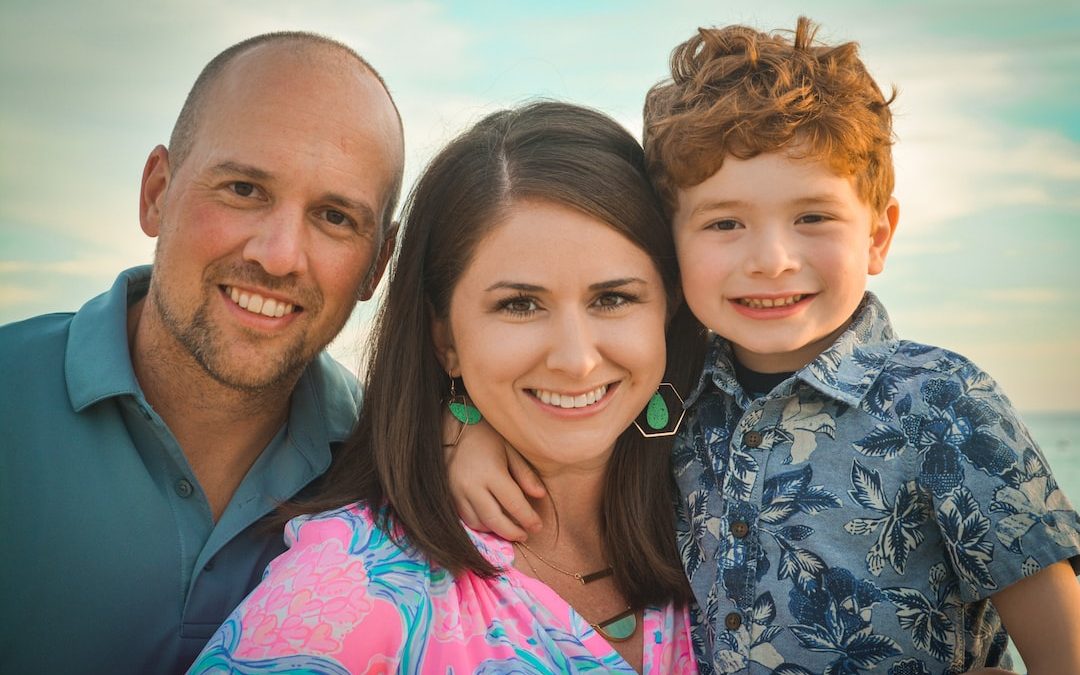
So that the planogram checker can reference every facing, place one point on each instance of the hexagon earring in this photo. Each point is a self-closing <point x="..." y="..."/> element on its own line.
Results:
<point x="663" y="415"/>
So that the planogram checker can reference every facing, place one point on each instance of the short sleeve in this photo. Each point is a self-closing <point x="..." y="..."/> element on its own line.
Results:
<point x="1001" y="514"/>
<point x="315" y="609"/>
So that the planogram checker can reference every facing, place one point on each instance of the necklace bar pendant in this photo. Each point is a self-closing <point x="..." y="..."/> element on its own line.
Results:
<point x="595" y="576"/>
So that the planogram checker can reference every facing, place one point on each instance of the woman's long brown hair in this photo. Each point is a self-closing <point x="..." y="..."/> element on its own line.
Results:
<point x="546" y="151"/>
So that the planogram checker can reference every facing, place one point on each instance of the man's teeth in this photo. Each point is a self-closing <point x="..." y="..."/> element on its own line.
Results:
<point x="566" y="401"/>
<point x="766" y="303"/>
<point x="257" y="304"/>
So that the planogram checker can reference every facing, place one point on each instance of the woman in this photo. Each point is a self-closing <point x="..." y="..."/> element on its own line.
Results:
<point x="533" y="287"/>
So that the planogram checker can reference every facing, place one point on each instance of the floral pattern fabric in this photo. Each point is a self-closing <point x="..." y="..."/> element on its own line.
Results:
<point x="346" y="599"/>
<point x="858" y="517"/>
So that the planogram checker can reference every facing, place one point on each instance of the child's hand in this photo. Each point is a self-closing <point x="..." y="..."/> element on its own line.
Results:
<point x="487" y="480"/>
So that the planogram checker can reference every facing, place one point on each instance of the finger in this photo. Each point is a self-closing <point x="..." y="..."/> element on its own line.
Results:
<point x="516" y="505"/>
<point x="524" y="474"/>
<point x="468" y="515"/>
<point x="496" y="520"/>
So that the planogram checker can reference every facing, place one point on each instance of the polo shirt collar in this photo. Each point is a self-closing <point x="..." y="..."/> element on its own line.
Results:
<point x="97" y="364"/>
<point x="844" y="371"/>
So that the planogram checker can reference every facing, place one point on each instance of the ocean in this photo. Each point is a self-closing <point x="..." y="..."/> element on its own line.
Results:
<point x="1058" y="435"/>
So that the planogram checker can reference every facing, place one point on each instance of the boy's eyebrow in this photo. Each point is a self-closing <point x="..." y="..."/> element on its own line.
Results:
<point x="533" y="288"/>
<point x="721" y="205"/>
<point x="823" y="198"/>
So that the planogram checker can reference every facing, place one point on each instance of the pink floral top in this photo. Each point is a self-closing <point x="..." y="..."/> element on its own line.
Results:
<point x="345" y="599"/>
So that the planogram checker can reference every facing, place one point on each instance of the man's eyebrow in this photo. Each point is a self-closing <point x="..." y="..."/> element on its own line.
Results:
<point x="533" y="288"/>
<point x="242" y="169"/>
<point x="367" y="214"/>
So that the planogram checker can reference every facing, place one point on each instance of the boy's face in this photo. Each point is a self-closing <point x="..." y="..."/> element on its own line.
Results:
<point x="775" y="252"/>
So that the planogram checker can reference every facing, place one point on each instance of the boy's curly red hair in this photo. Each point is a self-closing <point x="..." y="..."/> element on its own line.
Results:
<point x="737" y="91"/>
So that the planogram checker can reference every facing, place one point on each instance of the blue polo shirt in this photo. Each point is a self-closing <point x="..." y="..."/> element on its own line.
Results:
<point x="110" y="561"/>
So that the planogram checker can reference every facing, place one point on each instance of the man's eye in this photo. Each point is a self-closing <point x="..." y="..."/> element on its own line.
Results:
<point x="335" y="217"/>
<point x="243" y="189"/>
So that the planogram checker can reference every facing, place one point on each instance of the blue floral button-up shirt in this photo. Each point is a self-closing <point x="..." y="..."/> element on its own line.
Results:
<point x="859" y="516"/>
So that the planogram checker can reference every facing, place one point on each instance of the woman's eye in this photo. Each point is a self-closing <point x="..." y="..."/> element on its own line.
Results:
<point x="520" y="306"/>
<point x="242" y="189"/>
<point x="612" y="300"/>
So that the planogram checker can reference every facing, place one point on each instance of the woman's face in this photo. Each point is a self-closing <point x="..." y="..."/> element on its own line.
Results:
<point x="557" y="329"/>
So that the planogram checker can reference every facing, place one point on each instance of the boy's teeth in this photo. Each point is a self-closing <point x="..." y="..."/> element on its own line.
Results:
<point x="768" y="303"/>
<point x="567" y="401"/>
<point x="257" y="304"/>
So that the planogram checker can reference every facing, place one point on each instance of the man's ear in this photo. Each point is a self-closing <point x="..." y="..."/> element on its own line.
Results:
<point x="386" y="251"/>
<point x="882" y="235"/>
<point x="155" y="185"/>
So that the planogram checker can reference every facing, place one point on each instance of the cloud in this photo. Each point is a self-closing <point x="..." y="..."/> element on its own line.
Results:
<point x="1028" y="296"/>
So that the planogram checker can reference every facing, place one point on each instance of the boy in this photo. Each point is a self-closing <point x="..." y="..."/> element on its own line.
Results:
<point x="851" y="501"/>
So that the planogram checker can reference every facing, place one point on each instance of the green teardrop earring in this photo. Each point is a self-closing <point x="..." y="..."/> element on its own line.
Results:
<point x="656" y="414"/>
<point x="656" y="420"/>
<point x="460" y="407"/>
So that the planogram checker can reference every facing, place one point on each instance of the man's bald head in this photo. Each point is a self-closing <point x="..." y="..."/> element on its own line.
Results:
<point x="302" y="44"/>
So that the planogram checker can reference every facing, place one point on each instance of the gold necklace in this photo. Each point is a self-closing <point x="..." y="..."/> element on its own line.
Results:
<point x="582" y="578"/>
<point x="618" y="628"/>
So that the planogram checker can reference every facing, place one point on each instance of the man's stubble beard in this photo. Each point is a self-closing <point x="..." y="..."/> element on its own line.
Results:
<point x="203" y="341"/>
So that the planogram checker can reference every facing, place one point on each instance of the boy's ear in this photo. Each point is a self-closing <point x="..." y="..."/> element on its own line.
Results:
<point x="155" y="185"/>
<point x="882" y="235"/>
<point x="444" y="344"/>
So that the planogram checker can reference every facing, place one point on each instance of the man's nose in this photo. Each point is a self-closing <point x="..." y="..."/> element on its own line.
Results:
<point x="279" y="245"/>
<point x="573" y="348"/>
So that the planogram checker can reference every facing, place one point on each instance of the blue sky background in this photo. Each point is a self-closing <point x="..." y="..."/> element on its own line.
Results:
<point x="988" y="160"/>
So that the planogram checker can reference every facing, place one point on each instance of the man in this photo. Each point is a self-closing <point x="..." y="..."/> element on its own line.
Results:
<point x="147" y="435"/>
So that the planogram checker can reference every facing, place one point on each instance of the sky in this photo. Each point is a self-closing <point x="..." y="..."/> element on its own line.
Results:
<point x="988" y="152"/>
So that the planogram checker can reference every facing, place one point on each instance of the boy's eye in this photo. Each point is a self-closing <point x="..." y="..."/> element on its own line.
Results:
<point x="725" y="224"/>
<point x="812" y="218"/>
<point x="242" y="189"/>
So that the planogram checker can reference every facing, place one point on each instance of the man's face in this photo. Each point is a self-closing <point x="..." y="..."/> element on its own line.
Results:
<point x="270" y="229"/>
<point x="775" y="252"/>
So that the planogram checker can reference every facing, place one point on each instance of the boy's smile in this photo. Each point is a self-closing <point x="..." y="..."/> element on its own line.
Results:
<point x="774" y="252"/>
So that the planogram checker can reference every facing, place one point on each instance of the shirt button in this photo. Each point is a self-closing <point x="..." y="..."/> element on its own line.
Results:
<point x="739" y="529"/>
<point x="752" y="439"/>
<point x="183" y="488"/>
<point x="732" y="621"/>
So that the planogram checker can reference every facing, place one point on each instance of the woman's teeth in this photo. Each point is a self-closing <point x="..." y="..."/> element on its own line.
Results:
<point x="566" y="401"/>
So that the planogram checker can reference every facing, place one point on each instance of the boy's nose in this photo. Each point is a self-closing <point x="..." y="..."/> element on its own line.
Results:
<point x="573" y="349"/>
<point x="279" y="245"/>
<point x="771" y="254"/>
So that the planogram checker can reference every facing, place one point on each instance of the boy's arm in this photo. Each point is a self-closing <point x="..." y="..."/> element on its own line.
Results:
<point x="1042" y="615"/>
<point x="489" y="480"/>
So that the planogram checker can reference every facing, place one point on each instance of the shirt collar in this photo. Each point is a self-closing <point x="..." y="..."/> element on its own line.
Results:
<point x="97" y="364"/>
<point x="844" y="371"/>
